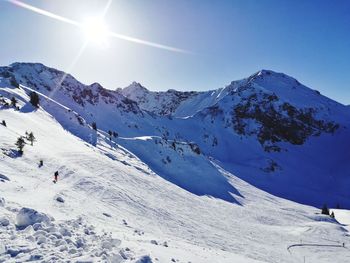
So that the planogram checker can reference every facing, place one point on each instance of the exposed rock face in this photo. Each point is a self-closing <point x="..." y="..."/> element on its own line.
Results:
<point x="275" y="121"/>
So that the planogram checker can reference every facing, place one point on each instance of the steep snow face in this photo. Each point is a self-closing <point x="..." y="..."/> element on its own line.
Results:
<point x="184" y="164"/>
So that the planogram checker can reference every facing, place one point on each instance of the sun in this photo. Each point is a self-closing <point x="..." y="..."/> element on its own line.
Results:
<point x="96" y="30"/>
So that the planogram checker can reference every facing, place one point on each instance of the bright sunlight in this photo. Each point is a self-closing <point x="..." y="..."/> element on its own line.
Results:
<point x="96" y="30"/>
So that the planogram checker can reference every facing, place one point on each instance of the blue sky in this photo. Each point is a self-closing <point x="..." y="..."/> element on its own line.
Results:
<point x="306" y="39"/>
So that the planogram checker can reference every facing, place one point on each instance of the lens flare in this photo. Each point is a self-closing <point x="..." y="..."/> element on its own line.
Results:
<point x="96" y="30"/>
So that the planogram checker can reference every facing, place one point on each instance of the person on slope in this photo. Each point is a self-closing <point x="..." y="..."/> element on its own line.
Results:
<point x="55" y="177"/>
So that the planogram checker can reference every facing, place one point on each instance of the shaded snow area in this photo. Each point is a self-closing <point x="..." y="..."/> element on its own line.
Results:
<point x="181" y="185"/>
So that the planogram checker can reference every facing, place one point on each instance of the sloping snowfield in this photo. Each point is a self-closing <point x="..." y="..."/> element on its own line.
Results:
<point x="108" y="206"/>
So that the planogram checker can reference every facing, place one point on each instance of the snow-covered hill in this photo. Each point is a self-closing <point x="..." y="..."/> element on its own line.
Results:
<point x="203" y="178"/>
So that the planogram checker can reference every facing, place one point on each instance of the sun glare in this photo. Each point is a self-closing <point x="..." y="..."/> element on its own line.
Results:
<point x="96" y="30"/>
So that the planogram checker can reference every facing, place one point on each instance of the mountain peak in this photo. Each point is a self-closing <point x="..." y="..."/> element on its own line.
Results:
<point x="269" y="73"/>
<point x="135" y="86"/>
<point x="135" y="89"/>
<point x="96" y="85"/>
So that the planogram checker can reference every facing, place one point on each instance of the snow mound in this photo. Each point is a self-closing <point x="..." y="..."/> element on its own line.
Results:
<point x="27" y="216"/>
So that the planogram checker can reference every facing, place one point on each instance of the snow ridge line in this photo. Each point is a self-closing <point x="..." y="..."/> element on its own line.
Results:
<point x="48" y="98"/>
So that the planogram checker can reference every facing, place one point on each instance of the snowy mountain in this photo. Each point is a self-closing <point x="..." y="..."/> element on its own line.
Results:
<point x="261" y="128"/>
<point x="160" y="103"/>
<point x="219" y="176"/>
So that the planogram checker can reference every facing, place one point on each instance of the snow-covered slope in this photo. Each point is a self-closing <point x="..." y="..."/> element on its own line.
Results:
<point x="92" y="102"/>
<point x="268" y="129"/>
<point x="115" y="208"/>
<point x="206" y="180"/>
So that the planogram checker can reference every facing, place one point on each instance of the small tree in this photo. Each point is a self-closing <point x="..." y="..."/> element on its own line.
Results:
<point x="20" y="144"/>
<point x="13" y="102"/>
<point x="195" y="148"/>
<point x="325" y="210"/>
<point x="110" y="135"/>
<point x="332" y="215"/>
<point x="115" y="134"/>
<point x="13" y="82"/>
<point x="34" y="99"/>
<point x="94" y="126"/>
<point x="3" y="123"/>
<point x="31" y="138"/>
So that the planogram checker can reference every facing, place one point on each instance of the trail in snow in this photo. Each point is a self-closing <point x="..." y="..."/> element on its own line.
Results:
<point x="313" y="245"/>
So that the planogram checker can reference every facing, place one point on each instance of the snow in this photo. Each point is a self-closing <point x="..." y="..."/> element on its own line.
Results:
<point x="162" y="103"/>
<point x="126" y="201"/>
<point x="342" y="216"/>
<point x="27" y="216"/>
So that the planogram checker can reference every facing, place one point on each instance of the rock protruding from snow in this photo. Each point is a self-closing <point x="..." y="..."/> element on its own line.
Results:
<point x="2" y="202"/>
<point x="144" y="259"/>
<point x="27" y="216"/>
<point x="60" y="199"/>
<point x="4" y="178"/>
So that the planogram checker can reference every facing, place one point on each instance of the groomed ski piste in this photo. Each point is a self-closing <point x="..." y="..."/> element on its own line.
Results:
<point x="109" y="206"/>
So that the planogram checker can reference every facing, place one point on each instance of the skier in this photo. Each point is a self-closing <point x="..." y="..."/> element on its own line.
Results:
<point x="55" y="177"/>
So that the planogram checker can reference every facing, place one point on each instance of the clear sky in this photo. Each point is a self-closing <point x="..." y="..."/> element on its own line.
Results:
<point x="309" y="40"/>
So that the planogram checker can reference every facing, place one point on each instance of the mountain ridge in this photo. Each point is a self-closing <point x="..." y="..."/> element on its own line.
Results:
<point x="221" y="176"/>
<point x="268" y="114"/>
